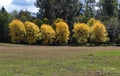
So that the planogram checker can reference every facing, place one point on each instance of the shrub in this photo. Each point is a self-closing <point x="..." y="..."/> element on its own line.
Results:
<point x="32" y="32"/>
<point x="47" y="34"/>
<point x="17" y="31"/>
<point x="81" y="32"/>
<point x="62" y="33"/>
<point x="99" y="33"/>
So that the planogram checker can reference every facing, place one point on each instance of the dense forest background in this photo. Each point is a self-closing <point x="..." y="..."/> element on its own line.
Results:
<point x="70" y="11"/>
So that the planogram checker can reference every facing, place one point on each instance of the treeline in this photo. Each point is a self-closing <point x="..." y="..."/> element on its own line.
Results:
<point x="58" y="33"/>
<point x="63" y="22"/>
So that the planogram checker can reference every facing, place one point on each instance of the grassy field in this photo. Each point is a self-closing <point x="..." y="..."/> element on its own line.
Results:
<point x="24" y="60"/>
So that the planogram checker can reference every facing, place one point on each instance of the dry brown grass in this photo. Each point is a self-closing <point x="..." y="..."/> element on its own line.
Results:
<point x="37" y="59"/>
<point x="51" y="51"/>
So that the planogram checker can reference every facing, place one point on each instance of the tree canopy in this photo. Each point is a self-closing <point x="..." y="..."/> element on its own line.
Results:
<point x="52" y="9"/>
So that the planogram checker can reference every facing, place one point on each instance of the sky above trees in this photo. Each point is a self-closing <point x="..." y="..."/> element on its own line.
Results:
<point x="11" y="5"/>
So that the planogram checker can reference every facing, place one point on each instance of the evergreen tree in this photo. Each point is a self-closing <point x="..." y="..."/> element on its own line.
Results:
<point x="4" y="18"/>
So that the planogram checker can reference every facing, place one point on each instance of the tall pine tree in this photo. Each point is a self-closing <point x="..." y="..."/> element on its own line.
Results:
<point x="4" y="18"/>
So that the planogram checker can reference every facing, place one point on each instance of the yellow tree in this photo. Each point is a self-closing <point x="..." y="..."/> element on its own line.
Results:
<point x="47" y="34"/>
<point x="81" y="32"/>
<point x="32" y="32"/>
<point x="91" y="22"/>
<point x="99" y="33"/>
<point x="62" y="33"/>
<point x="57" y="21"/>
<point x="17" y="31"/>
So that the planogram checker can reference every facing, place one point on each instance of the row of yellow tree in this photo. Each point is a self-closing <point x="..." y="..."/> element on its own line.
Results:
<point x="58" y="33"/>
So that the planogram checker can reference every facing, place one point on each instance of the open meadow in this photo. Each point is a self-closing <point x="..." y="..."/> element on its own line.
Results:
<point x="30" y="60"/>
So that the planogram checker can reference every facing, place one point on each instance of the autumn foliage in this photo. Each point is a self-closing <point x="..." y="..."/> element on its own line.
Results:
<point x="32" y="32"/>
<point x="47" y="34"/>
<point x="81" y="32"/>
<point x="62" y="33"/>
<point x="17" y="31"/>
<point x="92" y="32"/>
<point x="99" y="33"/>
<point x="91" y="22"/>
<point x="58" y="20"/>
